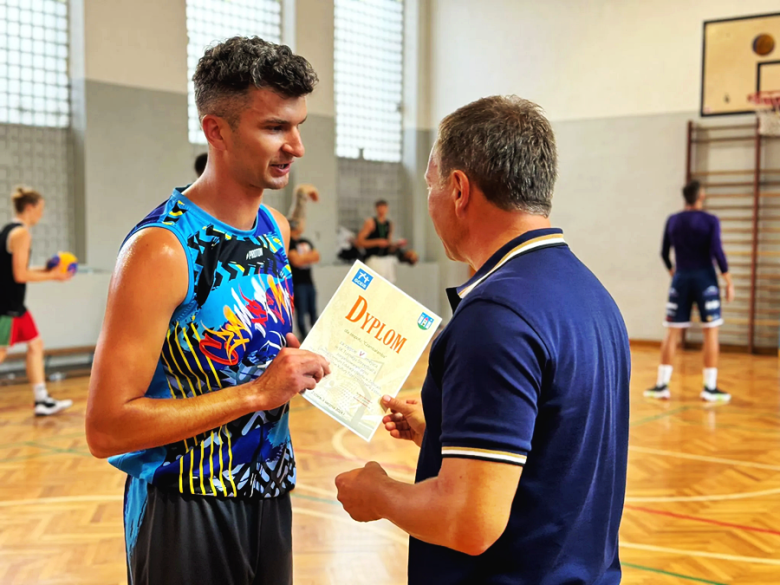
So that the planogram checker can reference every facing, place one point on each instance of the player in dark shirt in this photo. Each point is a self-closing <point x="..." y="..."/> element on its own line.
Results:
<point x="695" y="236"/>
<point x="16" y="322"/>
<point x="302" y="255"/>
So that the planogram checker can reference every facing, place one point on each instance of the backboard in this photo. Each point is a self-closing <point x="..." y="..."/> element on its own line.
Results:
<point x="740" y="56"/>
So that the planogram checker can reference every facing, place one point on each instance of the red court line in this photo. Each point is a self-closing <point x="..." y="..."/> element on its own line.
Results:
<point x="335" y="456"/>
<point x="700" y="519"/>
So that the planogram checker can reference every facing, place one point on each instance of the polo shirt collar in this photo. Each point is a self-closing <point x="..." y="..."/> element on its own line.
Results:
<point x="522" y="244"/>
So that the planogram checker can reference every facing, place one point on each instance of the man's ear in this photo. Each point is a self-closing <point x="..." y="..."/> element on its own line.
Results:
<point x="461" y="191"/>
<point x="217" y="131"/>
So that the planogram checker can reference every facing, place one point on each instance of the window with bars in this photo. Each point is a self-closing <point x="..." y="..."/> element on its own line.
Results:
<point x="369" y="78"/>
<point x="34" y="63"/>
<point x="212" y="21"/>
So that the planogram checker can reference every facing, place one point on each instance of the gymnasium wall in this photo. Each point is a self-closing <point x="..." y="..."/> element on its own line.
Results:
<point x="619" y="80"/>
<point x="130" y="147"/>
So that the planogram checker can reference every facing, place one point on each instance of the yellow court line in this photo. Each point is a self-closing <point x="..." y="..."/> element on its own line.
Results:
<point x="298" y="510"/>
<point x="708" y="498"/>
<point x="332" y="494"/>
<point x="702" y="554"/>
<point x="62" y="500"/>
<point x="365" y="526"/>
<point x="679" y="455"/>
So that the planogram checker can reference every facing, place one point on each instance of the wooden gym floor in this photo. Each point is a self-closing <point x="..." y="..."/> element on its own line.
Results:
<point x="702" y="504"/>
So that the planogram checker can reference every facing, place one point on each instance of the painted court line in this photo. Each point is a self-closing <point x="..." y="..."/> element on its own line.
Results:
<point x="653" y="417"/>
<point x="700" y="519"/>
<point x="707" y="498"/>
<point x="662" y="572"/>
<point x="403" y="539"/>
<point x="679" y="455"/>
<point x="701" y="554"/>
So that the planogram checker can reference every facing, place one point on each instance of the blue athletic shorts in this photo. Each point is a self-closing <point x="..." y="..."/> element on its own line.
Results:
<point x="689" y="287"/>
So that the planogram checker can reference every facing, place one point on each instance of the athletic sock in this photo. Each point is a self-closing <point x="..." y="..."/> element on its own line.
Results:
<point x="710" y="378"/>
<point x="40" y="392"/>
<point x="664" y="375"/>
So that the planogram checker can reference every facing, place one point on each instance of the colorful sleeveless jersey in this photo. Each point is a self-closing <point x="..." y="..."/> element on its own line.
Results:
<point x="227" y="331"/>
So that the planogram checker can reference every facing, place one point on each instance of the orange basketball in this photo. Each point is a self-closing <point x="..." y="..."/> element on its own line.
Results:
<point x="763" y="44"/>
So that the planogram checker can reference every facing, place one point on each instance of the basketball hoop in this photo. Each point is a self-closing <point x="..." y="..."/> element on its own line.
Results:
<point x="767" y="105"/>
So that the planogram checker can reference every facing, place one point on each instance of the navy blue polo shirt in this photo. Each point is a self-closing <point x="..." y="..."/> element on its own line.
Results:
<point x="533" y="370"/>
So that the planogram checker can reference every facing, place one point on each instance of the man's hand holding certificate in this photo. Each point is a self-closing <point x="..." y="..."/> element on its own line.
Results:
<point x="372" y="333"/>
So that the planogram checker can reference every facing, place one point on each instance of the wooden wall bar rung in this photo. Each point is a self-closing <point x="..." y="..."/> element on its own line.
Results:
<point x="725" y="127"/>
<point x="735" y="172"/>
<point x="763" y="253"/>
<point x="729" y="139"/>
<point x="728" y="195"/>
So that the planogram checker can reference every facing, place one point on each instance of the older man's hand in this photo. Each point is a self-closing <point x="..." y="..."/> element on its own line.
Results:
<point x="357" y="491"/>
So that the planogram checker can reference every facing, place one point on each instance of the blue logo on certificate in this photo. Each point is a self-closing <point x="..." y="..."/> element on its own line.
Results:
<point x="362" y="279"/>
<point x="425" y="321"/>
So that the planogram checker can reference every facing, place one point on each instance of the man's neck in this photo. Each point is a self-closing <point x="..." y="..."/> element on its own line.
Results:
<point x="23" y="220"/>
<point x="219" y="195"/>
<point x="698" y="206"/>
<point x="491" y="236"/>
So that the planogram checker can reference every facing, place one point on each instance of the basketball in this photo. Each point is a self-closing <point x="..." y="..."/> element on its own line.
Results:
<point x="64" y="262"/>
<point x="763" y="44"/>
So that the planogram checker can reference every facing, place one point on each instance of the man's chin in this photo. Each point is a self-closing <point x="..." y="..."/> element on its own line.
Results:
<point x="276" y="183"/>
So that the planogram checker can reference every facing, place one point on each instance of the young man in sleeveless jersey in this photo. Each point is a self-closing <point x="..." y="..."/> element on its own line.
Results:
<point x="196" y="362"/>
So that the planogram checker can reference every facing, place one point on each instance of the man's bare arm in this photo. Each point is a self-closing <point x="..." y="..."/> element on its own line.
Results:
<point x="465" y="508"/>
<point x="149" y="283"/>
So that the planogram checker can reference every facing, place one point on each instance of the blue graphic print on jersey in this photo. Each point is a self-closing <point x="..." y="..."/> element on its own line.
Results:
<point x="229" y="328"/>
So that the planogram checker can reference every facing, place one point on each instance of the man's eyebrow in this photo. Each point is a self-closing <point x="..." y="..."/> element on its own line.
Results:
<point x="281" y="121"/>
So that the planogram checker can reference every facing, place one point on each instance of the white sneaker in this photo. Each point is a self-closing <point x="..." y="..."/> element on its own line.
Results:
<point x="50" y="406"/>
<point x="715" y="395"/>
<point x="659" y="392"/>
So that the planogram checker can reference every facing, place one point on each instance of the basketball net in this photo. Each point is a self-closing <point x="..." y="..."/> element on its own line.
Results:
<point x="767" y="105"/>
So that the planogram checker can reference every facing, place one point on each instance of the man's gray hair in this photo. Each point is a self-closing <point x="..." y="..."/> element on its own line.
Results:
<point x="506" y="146"/>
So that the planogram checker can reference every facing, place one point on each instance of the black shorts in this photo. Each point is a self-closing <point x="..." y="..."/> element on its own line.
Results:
<point x="698" y="287"/>
<point x="180" y="539"/>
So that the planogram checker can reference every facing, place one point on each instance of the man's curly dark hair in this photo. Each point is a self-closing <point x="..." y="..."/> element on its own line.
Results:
<point x="228" y="70"/>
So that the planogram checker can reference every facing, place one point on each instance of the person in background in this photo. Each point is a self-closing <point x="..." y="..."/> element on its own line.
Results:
<point x="376" y="238"/>
<point x="695" y="236"/>
<point x="302" y="256"/>
<point x="16" y="322"/>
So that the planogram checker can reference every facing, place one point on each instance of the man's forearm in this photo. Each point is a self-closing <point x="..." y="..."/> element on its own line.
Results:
<point x="145" y="423"/>
<point x="424" y="510"/>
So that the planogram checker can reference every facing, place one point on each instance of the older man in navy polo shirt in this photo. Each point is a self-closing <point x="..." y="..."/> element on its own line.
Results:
<point x="523" y="426"/>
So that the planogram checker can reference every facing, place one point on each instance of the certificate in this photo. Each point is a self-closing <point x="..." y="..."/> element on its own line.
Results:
<point x="372" y="333"/>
